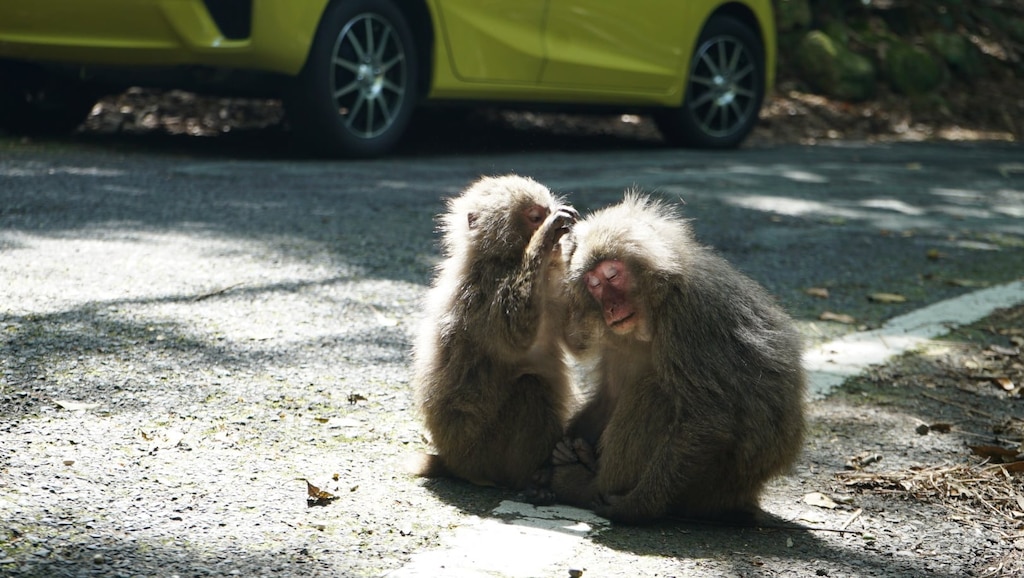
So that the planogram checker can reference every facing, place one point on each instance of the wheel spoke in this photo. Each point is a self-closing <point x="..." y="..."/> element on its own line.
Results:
<point x="379" y="53"/>
<point x="348" y="65"/>
<point x="385" y="112"/>
<point x="709" y="118"/>
<point x="737" y="112"/>
<point x="354" y="41"/>
<point x="370" y="46"/>
<point x="748" y="70"/>
<point x="354" y="111"/>
<point x="735" y="60"/>
<point x="701" y="100"/>
<point x="387" y="84"/>
<point x="354" y="85"/>
<point x="744" y="92"/>
<point x="370" y="113"/>
<point x="386" y="66"/>
<point x="706" y="59"/>
<point x="702" y="80"/>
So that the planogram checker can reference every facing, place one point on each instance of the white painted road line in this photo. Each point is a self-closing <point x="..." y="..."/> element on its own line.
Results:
<point x="521" y="541"/>
<point x="830" y="364"/>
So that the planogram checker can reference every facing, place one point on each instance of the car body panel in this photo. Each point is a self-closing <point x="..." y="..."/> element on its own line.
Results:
<point x="618" y="45"/>
<point x="157" y="33"/>
<point x="601" y="53"/>
<point x="493" y="40"/>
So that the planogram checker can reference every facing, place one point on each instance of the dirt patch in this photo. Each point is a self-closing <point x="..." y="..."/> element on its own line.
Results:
<point x="961" y="428"/>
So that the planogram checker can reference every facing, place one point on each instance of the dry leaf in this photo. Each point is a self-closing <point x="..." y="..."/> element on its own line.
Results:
<point x="819" y="292"/>
<point x="1004" y="382"/>
<point x="966" y="283"/>
<point x="1007" y="351"/>
<point x="941" y="427"/>
<point x="913" y="166"/>
<point x="1005" y="169"/>
<point x="1014" y="467"/>
<point x="837" y="317"/>
<point x="355" y="398"/>
<point x="887" y="298"/>
<point x="997" y="454"/>
<point x="317" y="497"/>
<point x="75" y="405"/>
<point x="935" y="254"/>
<point x="820" y="500"/>
<point x="862" y="459"/>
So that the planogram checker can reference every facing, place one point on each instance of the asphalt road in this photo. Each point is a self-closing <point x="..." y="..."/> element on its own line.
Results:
<point x="230" y="318"/>
<point x="925" y="221"/>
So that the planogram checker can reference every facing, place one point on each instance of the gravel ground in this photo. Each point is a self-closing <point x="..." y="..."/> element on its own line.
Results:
<point x="175" y="367"/>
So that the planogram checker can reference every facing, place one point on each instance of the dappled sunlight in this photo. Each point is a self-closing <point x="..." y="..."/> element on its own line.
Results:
<point x="37" y="169"/>
<point x="791" y="173"/>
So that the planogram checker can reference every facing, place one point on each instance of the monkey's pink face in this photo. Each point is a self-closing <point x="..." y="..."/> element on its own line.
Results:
<point x="534" y="216"/>
<point x="609" y="282"/>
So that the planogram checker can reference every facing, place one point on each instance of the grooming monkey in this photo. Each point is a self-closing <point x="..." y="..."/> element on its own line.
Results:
<point x="698" y="384"/>
<point x="489" y="366"/>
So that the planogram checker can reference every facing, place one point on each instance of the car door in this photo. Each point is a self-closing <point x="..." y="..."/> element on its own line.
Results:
<point x="494" y="40"/>
<point x="634" y="46"/>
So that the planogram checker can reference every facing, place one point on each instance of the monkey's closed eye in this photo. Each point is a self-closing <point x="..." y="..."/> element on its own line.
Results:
<point x="536" y="214"/>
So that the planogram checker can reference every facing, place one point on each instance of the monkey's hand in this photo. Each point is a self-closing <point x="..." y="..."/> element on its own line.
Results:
<point x="558" y="223"/>
<point x="572" y="451"/>
<point x="623" y="508"/>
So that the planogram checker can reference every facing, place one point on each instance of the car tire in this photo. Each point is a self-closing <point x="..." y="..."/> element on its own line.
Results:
<point x="724" y="89"/>
<point x="356" y="93"/>
<point x="36" y="103"/>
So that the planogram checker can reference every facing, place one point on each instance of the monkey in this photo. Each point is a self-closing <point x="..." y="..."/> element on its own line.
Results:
<point x="697" y="384"/>
<point x="489" y="367"/>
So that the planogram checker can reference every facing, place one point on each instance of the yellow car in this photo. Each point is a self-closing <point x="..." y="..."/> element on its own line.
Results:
<point x="352" y="72"/>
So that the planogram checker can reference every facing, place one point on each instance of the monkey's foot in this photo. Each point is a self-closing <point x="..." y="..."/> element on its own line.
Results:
<point x="539" y="496"/>
<point x="574" y="451"/>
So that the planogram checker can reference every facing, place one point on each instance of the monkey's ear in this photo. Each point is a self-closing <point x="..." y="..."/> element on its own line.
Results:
<point x="471" y="220"/>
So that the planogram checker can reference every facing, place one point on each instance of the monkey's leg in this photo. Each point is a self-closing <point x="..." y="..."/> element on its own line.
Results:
<point x="575" y="484"/>
<point x="529" y="426"/>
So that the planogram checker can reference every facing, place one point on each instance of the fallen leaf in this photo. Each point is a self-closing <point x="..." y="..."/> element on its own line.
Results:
<point x="837" y="317"/>
<point x="966" y="283"/>
<point x="820" y="500"/>
<point x="1005" y="169"/>
<point x="819" y="292"/>
<point x="941" y="427"/>
<point x="862" y="459"/>
<point x="935" y="254"/>
<point x="998" y="454"/>
<point x="887" y="298"/>
<point x="1004" y="382"/>
<point x="1007" y="351"/>
<point x="317" y="497"/>
<point x="75" y="405"/>
<point x="355" y="397"/>
<point x="1014" y="467"/>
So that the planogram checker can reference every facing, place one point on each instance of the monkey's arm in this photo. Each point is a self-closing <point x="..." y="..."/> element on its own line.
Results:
<point x="519" y="299"/>
<point x="652" y="495"/>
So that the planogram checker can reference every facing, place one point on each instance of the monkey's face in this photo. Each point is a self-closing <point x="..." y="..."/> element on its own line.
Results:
<point x="533" y="217"/>
<point x="611" y="284"/>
